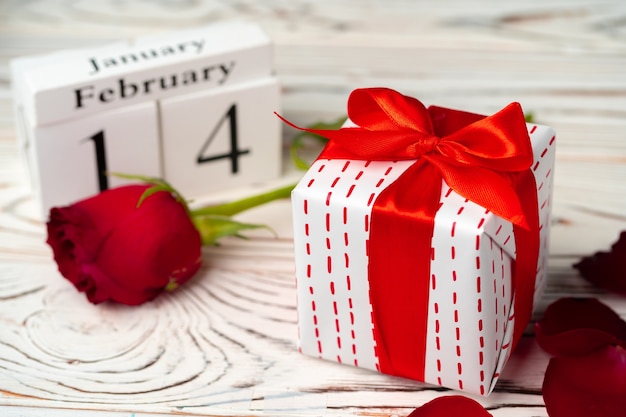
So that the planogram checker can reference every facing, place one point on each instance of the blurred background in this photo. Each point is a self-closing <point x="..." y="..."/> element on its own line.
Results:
<point x="563" y="60"/>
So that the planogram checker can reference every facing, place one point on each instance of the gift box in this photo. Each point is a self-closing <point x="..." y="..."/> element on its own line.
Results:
<point x="421" y="239"/>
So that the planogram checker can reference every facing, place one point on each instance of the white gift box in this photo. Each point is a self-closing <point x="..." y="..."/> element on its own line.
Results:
<point x="470" y="318"/>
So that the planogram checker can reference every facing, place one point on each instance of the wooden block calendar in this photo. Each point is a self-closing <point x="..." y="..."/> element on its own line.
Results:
<point x="195" y="107"/>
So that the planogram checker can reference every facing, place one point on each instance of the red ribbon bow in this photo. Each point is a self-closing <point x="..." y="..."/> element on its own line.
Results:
<point x="484" y="159"/>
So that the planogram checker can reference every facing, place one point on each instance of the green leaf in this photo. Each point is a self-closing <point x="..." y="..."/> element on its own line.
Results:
<point x="298" y="140"/>
<point x="212" y="228"/>
<point x="158" y="185"/>
<point x="150" y="191"/>
<point x="142" y="178"/>
<point x="171" y="285"/>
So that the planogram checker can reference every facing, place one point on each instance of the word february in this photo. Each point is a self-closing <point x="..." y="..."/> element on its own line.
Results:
<point x="125" y="90"/>
<point x="188" y="47"/>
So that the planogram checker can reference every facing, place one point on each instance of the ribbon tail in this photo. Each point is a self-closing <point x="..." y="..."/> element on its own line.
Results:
<point x="331" y="134"/>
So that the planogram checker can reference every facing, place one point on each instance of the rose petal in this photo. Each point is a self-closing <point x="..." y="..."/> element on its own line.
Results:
<point x="449" y="406"/>
<point x="572" y="326"/>
<point x="592" y="385"/>
<point x="607" y="269"/>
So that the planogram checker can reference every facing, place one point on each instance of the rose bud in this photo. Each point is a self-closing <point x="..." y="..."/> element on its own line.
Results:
<point x="121" y="247"/>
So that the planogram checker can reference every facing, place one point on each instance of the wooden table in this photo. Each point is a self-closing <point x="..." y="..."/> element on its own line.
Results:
<point x="225" y="343"/>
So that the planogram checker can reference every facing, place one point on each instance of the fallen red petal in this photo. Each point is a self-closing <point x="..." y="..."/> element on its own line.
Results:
<point x="592" y="385"/>
<point x="607" y="269"/>
<point x="451" y="406"/>
<point x="578" y="326"/>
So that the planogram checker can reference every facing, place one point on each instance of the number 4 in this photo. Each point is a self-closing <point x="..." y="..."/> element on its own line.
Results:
<point x="233" y="155"/>
<point x="235" y="152"/>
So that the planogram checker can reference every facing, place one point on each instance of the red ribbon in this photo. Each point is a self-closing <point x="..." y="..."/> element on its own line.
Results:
<point x="484" y="159"/>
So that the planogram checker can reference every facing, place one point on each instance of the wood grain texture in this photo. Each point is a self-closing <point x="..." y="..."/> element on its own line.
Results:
<point x="225" y="343"/>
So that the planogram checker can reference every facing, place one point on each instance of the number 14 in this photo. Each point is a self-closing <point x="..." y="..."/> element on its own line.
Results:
<point x="234" y="153"/>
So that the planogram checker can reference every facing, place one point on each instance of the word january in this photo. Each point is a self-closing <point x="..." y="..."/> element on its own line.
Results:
<point x="126" y="90"/>
<point x="98" y="64"/>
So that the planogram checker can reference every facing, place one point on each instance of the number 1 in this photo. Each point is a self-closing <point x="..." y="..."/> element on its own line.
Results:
<point x="101" y="160"/>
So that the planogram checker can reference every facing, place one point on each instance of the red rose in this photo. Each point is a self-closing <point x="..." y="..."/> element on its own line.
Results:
<point x="113" y="250"/>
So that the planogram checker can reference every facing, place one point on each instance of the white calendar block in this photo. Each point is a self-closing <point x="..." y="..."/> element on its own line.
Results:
<point x="78" y="111"/>
<point x="73" y="158"/>
<point x="20" y="67"/>
<point x="222" y="138"/>
<point x="153" y="68"/>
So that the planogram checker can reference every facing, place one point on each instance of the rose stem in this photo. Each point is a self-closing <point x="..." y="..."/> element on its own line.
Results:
<point x="232" y="208"/>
